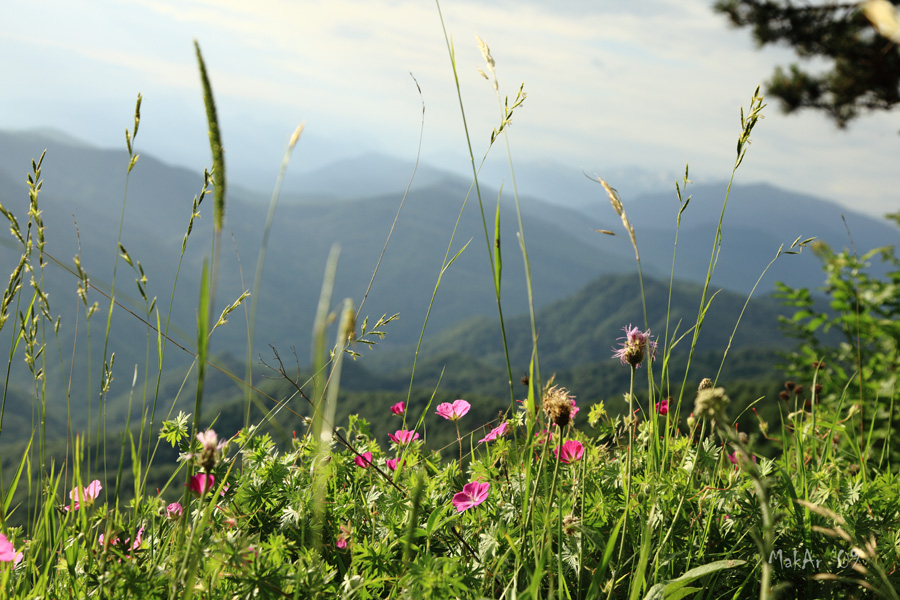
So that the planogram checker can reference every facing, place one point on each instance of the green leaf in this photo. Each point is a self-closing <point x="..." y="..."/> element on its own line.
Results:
<point x="15" y="482"/>
<point x="674" y="589"/>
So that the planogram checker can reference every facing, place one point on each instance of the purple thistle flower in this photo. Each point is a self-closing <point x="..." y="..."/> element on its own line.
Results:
<point x="634" y="345"/>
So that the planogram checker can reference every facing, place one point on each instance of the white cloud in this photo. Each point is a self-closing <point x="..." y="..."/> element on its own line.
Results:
<point x="656" y="83"/>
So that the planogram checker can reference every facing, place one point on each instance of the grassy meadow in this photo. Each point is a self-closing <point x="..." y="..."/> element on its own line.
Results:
<point x="667" y="489"/>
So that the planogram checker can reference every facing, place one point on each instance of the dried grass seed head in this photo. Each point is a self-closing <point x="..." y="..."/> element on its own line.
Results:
<point x="558" y="404"/>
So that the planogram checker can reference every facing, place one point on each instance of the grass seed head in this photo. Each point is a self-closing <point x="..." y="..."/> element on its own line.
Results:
<point x="558" y="405"/>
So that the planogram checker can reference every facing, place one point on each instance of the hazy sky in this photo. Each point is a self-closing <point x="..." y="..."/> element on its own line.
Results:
<point x="652" y="83"/>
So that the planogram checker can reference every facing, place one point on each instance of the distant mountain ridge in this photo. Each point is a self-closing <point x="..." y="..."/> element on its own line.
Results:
<point x="573" y="266"/>
<point x="565" y="249"/>
<point x="583" y="328"/>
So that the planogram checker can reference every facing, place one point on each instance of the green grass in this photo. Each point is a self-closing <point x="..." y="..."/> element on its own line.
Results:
<point x="665" y="489"/>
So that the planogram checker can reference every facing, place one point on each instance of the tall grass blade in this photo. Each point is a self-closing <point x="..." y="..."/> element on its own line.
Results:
<point x="215" y="145"/>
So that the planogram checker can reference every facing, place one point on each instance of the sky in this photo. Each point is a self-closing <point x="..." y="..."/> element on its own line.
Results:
<point x="653" y="84"/>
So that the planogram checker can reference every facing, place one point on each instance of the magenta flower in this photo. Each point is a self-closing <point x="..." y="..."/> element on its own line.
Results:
<point x="495" y="433"/>
<point x="137" y="539"/>
<point x="86" y="495"/>
<point x="471" y="495"/>
<point x="454" y="411"/>
<point x="543" y="436"/>
<point x="571" y="451"/>
<point x="739" y="459"/>
<point x="662" y="407"/>
<point x="574" y="411"/>
<point x="174" y="510"/>
<point x="129" y="546"/>
<point x="392" y="463"/>
<point x="402" y="437"/>
<point x="363" y="460"/>
<point x="399" y="408"/>
<point x="201" y="483"/>
<point x="343" y="536"/>
<point x="7" y="552"/>
<point x="636" y="343"/>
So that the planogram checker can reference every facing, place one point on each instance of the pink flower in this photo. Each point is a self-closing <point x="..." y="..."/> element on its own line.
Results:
<point x="402" y="437"/>
<point x="210" y="441"/>
<point x="211" y="450"/>
<point x="635" y="344"/>
<point x="392" y="463"/>
<point x="471" y="495"/>
<point x="343" y="536"/>
<point x="129" y="546"/>
<point x="571" y="451"/>
<point x="174" y="510"/>
<point x="363" y="460"/>
<point x="662" y="407"/>
<point x="86" y="495"/>
<point x="738" y="459"/>
<point x="543" y="436"/>
<point x="399" y="408"/>
<point x="7" y="552"/>
<point x="453" y="411"/>
<point x="201" y="483"/>
<point x="137" y="539"/>
<point x="495" y="433"/>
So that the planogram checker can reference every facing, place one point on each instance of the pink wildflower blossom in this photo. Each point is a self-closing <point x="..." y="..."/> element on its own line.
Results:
<point x="399" y="408"/>
<point x="201" y="483"/>
<point x="128" y="545"/>
<point x="363" y="460"/>
<point x="543" y="436"/>
<point x="662" y="407"/>
<point x="636" y="343"/>
<point x="343" y="536"/>
<point x="402" y="437"/>
<point x="738" y="458"/>
<point x="211" y="450"/>
<point x="495" y="433"/>
<point x="174" y="510"/>
<point x="86" y="495"/>
<point x="454" y="411"/>
<point x="7" y="552"/>
<point x="392" y="463"/>
<point x="472" y="495"/>
<point x="571" y="451"/>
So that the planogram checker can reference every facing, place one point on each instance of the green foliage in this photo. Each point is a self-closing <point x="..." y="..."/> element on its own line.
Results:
<point x="851" y="377"/>
<point x="863" y="67"/>
<point x="660" y="491"/>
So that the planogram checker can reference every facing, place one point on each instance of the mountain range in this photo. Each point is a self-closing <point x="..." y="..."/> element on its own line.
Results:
<point x="354" y="203"/>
